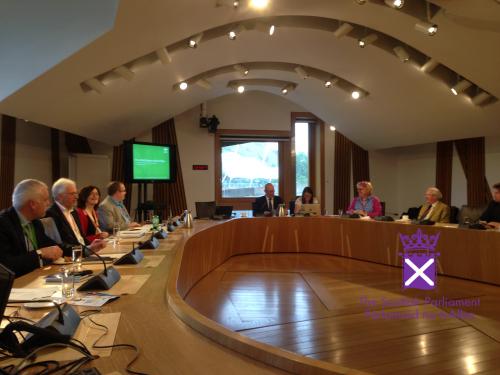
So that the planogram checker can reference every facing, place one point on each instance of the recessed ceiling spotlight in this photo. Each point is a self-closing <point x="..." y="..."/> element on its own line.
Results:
<point x="284" y="91"/>
<point x="236" y="4"/>
<point x="332" y="128"/>
<point x="426" y="28"/>
<point x="356" y="95"/>
<point x="397" y="4"/>
<point x="241" y="89"/>
<point x="460" y="87"/>
<point x="401" y="53"/>
<point x="242" y="69"/>
<point x="330" y="82"/>
<point x="183" y="86"/>
<point x="195" y="40"/>
<point x="259" y="4"/>
<point x="272" y="29"/>
<point x="367" y="40"/>
<point x="231" y="35"/>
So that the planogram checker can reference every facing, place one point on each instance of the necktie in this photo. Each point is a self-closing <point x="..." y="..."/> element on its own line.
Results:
<point x="29" y="232"/>
<point x="426" y="212"/>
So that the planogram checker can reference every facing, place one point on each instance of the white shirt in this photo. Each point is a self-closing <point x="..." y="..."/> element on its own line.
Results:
<point x="72" y="223"/>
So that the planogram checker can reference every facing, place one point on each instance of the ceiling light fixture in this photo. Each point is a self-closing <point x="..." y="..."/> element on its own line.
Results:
<point x="231" y="35"/>
<point x="183" y="86"/>
<point x="367" y="40"/>
<point x="285" y="90"/>
<point x="429" y="66"/>
<point x="426" y="28"/>
<point x="401" y="53"/>
<point x="332" y="128"/>
<point x="301" y="72"/>
<point x="241" y="69"/>
<point x="356" y="94"/>
<point x="236" y="4"/>
<point x="343" y="30"/>
<point x="163" y="56"/>
<point x="480" y="98"/>
<point x="330" y="82"/>
<point x="195" y="40"/>
<point x="241" y="89"/>
<point x="259" y="4"/>
<point x="272" y="29"/>
<point x="396" y="4"/>
<point x="460" y="87"/>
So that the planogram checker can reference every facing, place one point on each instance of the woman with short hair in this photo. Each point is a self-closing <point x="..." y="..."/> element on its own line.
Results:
<point x="365" y="204"/>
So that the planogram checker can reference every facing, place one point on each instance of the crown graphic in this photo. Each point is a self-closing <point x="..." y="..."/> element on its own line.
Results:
<point x="419" y="241"/>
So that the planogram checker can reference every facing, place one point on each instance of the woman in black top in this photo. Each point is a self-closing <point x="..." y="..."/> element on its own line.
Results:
<point x="492" y="214"/>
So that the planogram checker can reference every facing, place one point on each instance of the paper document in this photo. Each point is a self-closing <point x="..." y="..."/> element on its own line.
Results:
<point x="27" y="294"/>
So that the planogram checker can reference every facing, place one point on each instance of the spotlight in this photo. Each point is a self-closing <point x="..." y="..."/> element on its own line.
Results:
<point x="343" y="30"/>
<point x="285" y="90"/>
<point x="241" y="89"/>
<point x="301" y="72"/>
<point x="231" y="35"/>
<point x="356" y="95"/>
<point x="236" y="4"/>
<point x="195" y="40"/>
<point x="460" y="87"/>
<point x="426" y="28"/>
<point x="259" y="4"/>
<point x="272" y="29"/>
<point x="330" y="82"/>
<point x="240" y="68"/>
<point x="332" y="128"/>
<point x="183" y="86"/>
<point x="401" y="53"/>
<point x="367" y="40"/>
<point x="429" y="66"/>
<point x="397" y="4"/>
<point x="480" y="98"/>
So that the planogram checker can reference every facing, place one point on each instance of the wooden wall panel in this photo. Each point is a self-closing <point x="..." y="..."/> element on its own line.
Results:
<point x="342" y="172"/>
<point x="7" y="160"/>
<point x="444" y="166"/>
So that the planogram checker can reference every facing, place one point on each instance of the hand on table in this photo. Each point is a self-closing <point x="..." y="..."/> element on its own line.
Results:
<point x="51" y="252"/>
<point x="97" y="245"/>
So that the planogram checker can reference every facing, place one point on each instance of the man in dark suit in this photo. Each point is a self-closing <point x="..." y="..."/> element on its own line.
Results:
<point x="67" y="222"/>
<point x="23" y="243"/>
<point x="268" y="204"/>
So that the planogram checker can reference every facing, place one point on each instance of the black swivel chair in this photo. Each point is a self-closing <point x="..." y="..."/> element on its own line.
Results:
<point x="291" y="207"/>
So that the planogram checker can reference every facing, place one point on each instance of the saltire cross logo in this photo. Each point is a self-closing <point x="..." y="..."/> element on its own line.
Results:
<point x="419" y="260"/>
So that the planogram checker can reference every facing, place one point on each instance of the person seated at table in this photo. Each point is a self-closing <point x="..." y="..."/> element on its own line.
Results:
<point x="65" y="194"/>
<point x="88" y="200"/>
<point x="365" y="204"/>
<point x="433" y="209"/>
<point x="267" y="204"/>
<point x="24" y="246"/>
<point x="307" y="197"/>
<point x="112" y="211"/>
<point x="491" y="217"/>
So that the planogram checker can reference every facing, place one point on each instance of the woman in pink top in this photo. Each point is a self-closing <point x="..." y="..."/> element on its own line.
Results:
<point x="365" y="204"/>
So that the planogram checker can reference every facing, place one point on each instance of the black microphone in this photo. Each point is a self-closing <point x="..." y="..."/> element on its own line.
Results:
<point x="102" y="281"/>
<point x="135" y="256"/>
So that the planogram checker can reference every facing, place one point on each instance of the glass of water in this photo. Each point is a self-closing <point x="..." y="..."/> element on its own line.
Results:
<point x="76" y="257"/>
<point x="116" y="233"/>
<point x="67" y="283"/>
<point x="341" y="212"/>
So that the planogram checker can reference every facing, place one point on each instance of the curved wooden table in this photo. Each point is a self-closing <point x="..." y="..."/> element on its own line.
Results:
<point x="468" y="254"/>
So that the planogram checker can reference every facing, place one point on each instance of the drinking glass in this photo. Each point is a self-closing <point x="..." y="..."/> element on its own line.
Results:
<point x="341" y="212"/>
<point x="67" y="283"/>
<point x="116" y="233"/>
<point x="76" y="257"/>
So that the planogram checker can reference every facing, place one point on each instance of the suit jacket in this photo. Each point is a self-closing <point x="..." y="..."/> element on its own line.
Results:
<point x="260" y="205"/>
<point x="440" y="213"/>
<point x="109" y="213"/>
<point x="14" y="253"/>
<point x="67" y="235"/>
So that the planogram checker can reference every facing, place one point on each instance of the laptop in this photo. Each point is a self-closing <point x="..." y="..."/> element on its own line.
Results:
<point x="223" y="212"/>
<point x="6" y="281"/>
<point x="313" y="209"/>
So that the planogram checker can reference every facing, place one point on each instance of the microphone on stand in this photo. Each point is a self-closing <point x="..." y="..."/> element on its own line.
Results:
<point x="135" y="256"/>
<point x="102" y="281"/>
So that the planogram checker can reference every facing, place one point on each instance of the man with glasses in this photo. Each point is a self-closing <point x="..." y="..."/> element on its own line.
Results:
<point x="268" y="204"/>
<point x="112" y="211"/>
<point x="65" y="195"/>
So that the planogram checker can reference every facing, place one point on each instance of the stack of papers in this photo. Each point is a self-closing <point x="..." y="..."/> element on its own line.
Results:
<point x="137" y="233"/>
<point x="28" y="294"/>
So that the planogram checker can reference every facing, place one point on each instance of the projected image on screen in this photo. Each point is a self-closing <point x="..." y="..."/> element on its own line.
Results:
<point x="151" y="162"/>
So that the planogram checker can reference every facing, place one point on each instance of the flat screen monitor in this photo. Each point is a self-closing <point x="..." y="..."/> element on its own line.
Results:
<point x="149" y="162"/>
<point x="6" y="281"/>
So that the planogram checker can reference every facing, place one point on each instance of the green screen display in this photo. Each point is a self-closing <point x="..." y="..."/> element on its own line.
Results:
<point x="151" y="162"/>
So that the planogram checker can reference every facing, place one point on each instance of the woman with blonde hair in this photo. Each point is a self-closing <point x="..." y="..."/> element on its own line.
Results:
<point x="365" y="204"/>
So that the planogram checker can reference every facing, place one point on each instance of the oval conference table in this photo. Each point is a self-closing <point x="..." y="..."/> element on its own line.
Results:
<point x="175" y="338"/>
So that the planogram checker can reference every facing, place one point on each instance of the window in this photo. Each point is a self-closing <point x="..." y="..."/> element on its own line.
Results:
<point x="301" y="156"/>
<point x="247" y="166"/>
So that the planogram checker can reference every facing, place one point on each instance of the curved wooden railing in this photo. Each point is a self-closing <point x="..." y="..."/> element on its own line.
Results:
<point x="464" y="253"/>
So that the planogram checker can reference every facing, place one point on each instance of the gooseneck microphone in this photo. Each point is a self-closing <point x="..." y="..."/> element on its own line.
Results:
<point x="102" y="281"/>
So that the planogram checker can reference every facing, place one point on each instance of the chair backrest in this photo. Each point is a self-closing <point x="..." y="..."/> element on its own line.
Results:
<point x="470" y="213"/>
<point x="413" y="212"/>
<point x="454" y="215"/>
<point x="50" y="229"/>
<point x="205" y="210"/>
<point x="291" y="207"/>
<point x="382" y="204"/>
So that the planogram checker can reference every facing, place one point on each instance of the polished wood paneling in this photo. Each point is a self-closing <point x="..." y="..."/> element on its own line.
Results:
<point x="7" y="160"/>
<point x="444" y="168"/>
<point x="311" y="305"/>
<point x="342" y="172"/>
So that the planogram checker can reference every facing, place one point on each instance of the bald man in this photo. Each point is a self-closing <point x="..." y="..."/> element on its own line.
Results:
<point x="268" y="204"/>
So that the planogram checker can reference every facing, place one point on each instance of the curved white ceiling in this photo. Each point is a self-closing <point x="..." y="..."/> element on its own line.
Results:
<point x="405" y="106"/>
